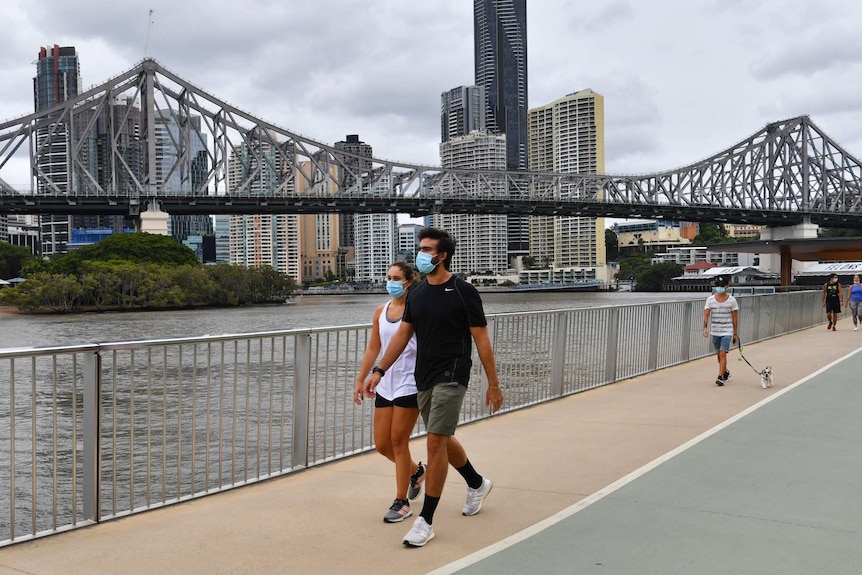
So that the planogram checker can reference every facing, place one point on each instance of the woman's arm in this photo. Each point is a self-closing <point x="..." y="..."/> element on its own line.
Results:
<point x="371" y="353"/>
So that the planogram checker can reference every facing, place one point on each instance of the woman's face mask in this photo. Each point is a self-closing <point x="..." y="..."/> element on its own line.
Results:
<point x="395" y="289"/>
<point x="719" y="290"/>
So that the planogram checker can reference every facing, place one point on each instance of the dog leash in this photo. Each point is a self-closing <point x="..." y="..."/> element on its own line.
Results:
<point x="742" y="357"/>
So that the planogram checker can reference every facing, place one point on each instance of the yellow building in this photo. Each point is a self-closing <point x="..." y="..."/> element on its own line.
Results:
<point x="568" y="136"/>
<point x="318" y="233"/>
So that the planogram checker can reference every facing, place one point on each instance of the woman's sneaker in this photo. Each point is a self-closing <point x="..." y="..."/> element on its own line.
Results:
<point x="399" y="511"/>
<point x="416" y="481"/>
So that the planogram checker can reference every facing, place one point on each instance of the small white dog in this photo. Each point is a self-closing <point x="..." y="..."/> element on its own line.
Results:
<point x="766" y="377"/>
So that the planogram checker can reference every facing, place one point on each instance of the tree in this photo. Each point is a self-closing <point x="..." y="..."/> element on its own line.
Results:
<point x="612" y="245"/>
<point x="631" y="263"/>
<point x="12" y="259"/>
<point x="139" y="248"/>
<point x="654" y="277"/>
<point x="838" y="232"/>
<point x="711" y="234"/>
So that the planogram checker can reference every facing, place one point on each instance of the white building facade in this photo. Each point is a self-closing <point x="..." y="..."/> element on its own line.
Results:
<point x="263" y="240"/>
<point x="375" y="240"/>
<point x="482" y="239"/>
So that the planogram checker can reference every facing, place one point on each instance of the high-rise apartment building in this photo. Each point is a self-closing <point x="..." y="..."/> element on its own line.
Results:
<point x="500" y="46"/>
<point x="349" y="178"/>
<point x="481" y="238"/>
<point x="221" y="230"/>
<point x="408" y="242"/>
<point x="318" y="233"/>
<point x="462" y="110"/>
<point x="262" y="239"/>
<point x="372" y="237"/>
<point x="58" y="77"/>
<point x="182" y="164"/>
<point x="568" y="136"/>
<point x="99" y="132"/>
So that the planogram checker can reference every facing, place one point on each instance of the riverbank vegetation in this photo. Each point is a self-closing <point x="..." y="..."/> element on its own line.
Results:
<point x="140" y="271"/>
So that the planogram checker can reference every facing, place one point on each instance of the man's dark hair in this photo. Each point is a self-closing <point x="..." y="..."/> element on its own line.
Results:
<point x="445" y="243"/>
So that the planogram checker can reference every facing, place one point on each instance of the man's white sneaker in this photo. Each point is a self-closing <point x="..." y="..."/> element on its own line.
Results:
<point x="420" y="534"/>
<point x="475" y="497"/>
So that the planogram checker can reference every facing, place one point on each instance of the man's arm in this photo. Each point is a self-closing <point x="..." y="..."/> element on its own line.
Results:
<point x="735" y="315"/>
<point x="494" y="396"/>
<point x="706" y="322"/>
<point x="823" y="302"/>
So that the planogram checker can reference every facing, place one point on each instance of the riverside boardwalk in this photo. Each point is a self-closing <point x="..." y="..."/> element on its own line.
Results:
<point x="774" y="490"/>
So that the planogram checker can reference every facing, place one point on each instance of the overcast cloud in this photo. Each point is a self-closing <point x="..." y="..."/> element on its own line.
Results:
<point x="682" y="79"/>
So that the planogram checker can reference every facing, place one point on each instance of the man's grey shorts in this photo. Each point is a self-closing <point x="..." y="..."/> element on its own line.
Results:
<point x="440" y="407"/>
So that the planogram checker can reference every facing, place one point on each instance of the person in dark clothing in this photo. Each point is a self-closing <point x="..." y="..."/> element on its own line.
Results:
<point x="832" y="300"/>
<point x="447" y="316"/>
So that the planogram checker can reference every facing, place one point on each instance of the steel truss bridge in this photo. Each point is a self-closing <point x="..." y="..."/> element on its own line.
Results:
<point x="150" y="136"/>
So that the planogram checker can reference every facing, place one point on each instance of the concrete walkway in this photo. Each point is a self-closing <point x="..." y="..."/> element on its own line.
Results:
<point x="752" y="498"/>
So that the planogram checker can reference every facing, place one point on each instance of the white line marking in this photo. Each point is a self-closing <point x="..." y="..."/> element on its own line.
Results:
<point x="605" y="491"/>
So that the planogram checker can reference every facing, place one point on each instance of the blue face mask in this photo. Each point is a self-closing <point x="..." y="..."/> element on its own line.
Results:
<point x="395" y="289"/>
<point x="719" y="290"/>
<point x="424" y="264"/>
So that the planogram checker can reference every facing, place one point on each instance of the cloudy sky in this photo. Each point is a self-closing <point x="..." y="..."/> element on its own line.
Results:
<point x="682" y="79"/>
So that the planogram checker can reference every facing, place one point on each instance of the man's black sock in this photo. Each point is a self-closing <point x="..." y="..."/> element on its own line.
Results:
<point x="428" y="508"/>
<point x="473" y="479"/>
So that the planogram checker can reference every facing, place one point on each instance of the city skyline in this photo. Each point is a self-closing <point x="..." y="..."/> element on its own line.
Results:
<point x="718" y="65"/>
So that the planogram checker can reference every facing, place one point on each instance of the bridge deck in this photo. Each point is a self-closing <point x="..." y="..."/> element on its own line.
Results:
<point x="773" y="492"/>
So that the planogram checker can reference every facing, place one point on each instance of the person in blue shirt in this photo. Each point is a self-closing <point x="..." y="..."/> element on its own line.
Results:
<point x="854" y="296"/>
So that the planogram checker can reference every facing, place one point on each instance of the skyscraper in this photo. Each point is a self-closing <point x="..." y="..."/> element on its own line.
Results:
<point x="373" y="236"/>
<point x="568" y="136"/>
<point x="350" y="177"/>
<point x="255" y="167"/>
<point x="500" y="43"/>
<point x="462" y="110"/>
<point x="182" y="165"/>
<point x="481" y="238"/>
<point x="58" y="76"/>
<point x="318" y="233"/>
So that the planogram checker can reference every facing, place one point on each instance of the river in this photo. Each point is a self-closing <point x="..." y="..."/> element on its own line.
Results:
<point x="19" y="330"/>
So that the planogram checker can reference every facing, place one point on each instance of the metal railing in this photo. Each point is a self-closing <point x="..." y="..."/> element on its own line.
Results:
<point x="94" y="432"/>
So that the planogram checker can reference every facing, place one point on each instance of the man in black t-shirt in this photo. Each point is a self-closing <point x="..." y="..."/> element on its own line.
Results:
<point x="447" y="316"/>
<point x="832" y="300"/>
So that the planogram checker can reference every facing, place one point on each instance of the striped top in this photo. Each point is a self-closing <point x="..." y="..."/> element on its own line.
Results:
<point x="720" y="315"/>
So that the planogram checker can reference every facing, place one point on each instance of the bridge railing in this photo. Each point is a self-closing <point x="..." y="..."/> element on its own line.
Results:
<point x="94" y="432"/>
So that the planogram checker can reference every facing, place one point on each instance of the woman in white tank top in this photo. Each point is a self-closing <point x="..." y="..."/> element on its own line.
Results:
<point x="396" y="409"/>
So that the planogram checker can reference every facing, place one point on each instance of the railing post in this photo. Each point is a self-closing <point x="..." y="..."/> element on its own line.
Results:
<point x="492" y="326"/>
<point x="558" y="354"/>
<point x="652" y="360"/>
<point x="685" y="341"/>
<point x="758" y="311"/>
<point x="611" y="359"/>
<point x="301" y="395"/>
<point x="92" y="433"/>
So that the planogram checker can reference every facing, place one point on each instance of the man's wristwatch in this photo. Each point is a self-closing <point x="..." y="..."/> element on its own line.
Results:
<point x="378" y="369"/>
